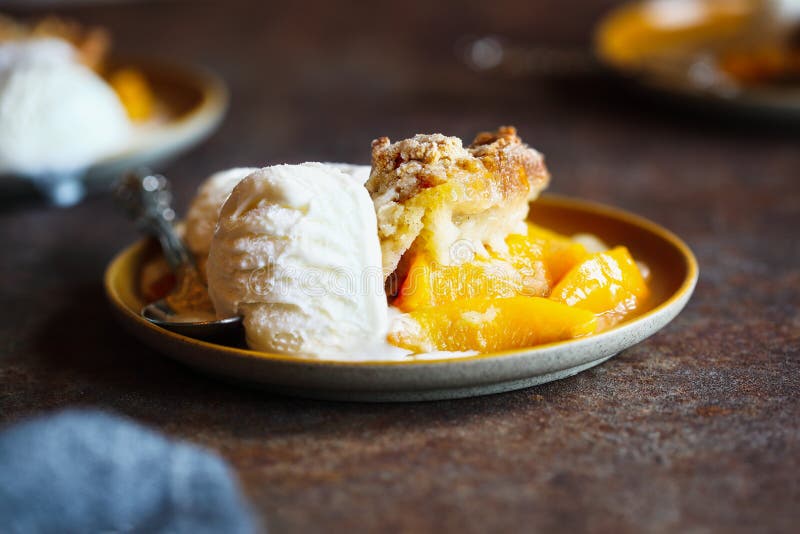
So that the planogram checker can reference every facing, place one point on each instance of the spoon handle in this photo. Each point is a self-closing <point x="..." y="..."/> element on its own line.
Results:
<point x="148" y="201"/>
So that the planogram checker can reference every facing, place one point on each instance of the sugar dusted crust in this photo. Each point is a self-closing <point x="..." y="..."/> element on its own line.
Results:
<point x="518" y="167"/>
<point x="430" y="191"/>
<point x="411" y="165"/>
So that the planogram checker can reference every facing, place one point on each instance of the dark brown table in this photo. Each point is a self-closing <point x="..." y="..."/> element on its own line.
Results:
<point x="694" y="430"/>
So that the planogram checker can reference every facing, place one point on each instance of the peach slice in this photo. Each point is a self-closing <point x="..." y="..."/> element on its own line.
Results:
<point x="560" y="253"/>
<point x="134" y="91"/>
<point x="431" y="284"/>
<point x="555" y="252"/>
<point x="490" y="324"/>
<point x="607" y="283"/>
<point x="530" y="266"/>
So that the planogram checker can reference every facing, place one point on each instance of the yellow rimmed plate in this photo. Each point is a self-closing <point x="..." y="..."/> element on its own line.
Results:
<point x="673" y="276"/>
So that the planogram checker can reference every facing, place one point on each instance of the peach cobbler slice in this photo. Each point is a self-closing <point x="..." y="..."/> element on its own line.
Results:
<point x="464" y="265"/>
<point x="434" y="196"/>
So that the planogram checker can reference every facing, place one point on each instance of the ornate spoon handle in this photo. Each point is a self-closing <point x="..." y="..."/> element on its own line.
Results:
<point x="148" y="201"/>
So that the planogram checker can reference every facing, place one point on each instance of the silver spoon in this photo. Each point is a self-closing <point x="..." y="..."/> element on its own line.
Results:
<point x="148" y="201"/>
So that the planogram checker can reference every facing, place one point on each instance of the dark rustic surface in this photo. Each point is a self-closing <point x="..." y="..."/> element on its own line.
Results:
<point x="694" y="430"/>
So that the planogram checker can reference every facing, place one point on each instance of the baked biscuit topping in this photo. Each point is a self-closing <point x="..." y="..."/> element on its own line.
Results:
<point x="433" y="194"/>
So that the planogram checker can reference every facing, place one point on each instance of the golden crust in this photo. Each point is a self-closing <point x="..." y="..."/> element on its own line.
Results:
<point x="430" y="191"/>
<point x="413" y="164"/>
<point x="516" y="166"/>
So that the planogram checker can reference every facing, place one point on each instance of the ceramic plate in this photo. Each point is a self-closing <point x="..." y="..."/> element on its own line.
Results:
<point x="653" y="42"/>
<point x="673" y="276"/>
<point x="190" y="103"/>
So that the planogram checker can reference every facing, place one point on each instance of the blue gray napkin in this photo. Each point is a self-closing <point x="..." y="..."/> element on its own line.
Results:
<point x="87" y="471"/>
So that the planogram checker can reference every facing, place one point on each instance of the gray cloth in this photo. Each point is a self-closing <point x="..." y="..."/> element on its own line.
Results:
<point x="87" y="471"/>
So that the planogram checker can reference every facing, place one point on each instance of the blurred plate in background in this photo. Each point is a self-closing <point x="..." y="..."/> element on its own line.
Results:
<point x="675" y="46"/>
<point x="190" y="104"/>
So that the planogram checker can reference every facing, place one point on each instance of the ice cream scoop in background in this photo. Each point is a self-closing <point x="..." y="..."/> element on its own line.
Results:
<point x="57" y="117"/>
<point x="296" y="253"/>
<point x="73" y="119"/>
<point x="44" y="51"/>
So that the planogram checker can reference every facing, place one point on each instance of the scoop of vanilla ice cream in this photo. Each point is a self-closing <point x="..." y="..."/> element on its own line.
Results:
<point x="56" y="115"/>
<point x="204" y="209"/>
<point x="296" y="253"/>
<point x="212" y="193"/>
